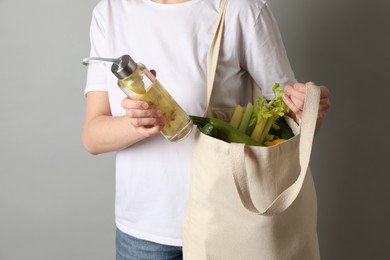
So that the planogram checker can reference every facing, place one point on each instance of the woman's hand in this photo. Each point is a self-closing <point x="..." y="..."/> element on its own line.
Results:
<point x="103" y="132"/>
<point x="145" y="119"/>
<point x="295" y="98"/>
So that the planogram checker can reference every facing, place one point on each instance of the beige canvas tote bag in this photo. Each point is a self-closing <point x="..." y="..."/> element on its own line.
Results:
<point x="252" y="203"/>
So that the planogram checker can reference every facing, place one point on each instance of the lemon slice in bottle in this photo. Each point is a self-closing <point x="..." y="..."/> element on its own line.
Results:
<point x="137" y="86"/>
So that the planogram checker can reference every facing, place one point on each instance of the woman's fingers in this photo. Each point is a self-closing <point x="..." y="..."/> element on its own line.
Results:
<point x="325" y="92"/>
<point x="129" y="103"/>
<point x="297" y="94"/>
<point x="295" y="99"/>
<point x="146" y="121"/>
<point x="296" y="111"/>
<point x="324" y="102"/>
<point x="141" y="115"/>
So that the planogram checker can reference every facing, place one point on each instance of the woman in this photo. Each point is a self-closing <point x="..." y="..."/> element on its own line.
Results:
<point x="173" y="37"/>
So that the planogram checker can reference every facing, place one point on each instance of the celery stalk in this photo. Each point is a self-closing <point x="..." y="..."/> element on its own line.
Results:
<point x="237" y="116"/>
<point x="252" y="123"/>
<point x="263" y="114"/>
<point x="246" y="117"/>
<point x="259" y="128"/>
<point x="266" y="128"/>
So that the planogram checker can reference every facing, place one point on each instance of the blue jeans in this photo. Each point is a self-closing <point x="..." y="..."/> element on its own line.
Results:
<point x="131" y="248"/>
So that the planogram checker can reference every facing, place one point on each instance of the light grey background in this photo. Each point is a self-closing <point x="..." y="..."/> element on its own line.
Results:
<point x="56" y="200"/>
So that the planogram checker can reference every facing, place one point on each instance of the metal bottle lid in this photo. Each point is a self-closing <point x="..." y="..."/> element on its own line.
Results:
<point x="124" y="67"/>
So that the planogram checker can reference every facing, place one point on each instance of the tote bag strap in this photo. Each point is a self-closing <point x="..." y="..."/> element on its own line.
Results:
<point x="307" y="129"/>
<point x="212" y="56"/>
<point x="287" y="197"/>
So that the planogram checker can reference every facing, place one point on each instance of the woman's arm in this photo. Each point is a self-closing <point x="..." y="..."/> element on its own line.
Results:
<point x="103" y="132"/>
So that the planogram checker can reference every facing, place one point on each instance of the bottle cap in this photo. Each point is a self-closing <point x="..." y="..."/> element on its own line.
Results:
<point x="124" y="67"/>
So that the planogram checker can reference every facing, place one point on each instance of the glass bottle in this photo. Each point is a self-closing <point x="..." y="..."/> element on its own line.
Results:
<point x="136" y="81"/>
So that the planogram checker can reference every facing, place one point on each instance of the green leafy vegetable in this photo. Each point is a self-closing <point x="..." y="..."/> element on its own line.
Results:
<point x="268" y="113"/>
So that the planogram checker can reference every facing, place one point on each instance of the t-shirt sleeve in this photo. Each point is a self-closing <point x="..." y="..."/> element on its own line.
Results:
<point x="96" y="75"/>
<point x="265" y="55"/>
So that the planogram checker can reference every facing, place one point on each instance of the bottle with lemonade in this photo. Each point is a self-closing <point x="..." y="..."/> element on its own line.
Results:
<point x="134" y="79"/>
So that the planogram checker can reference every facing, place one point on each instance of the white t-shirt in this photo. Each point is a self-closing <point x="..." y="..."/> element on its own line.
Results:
<point x="152" y="176"/>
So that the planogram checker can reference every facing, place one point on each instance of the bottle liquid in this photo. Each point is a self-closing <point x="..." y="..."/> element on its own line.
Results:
<point x="136" y="81"/>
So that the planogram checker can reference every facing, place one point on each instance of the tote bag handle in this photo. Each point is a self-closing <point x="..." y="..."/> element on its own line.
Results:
<point x="212" y="56"/>
<point x="307" y="129"/>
